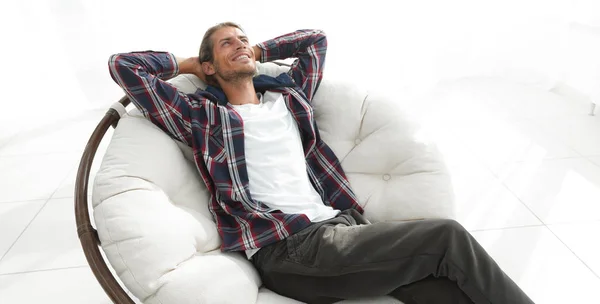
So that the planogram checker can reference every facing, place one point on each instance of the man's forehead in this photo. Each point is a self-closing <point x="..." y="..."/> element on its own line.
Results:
<point x="228" y="33"/>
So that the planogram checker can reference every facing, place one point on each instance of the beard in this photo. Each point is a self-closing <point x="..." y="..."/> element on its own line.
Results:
<point x="234" y="76"/>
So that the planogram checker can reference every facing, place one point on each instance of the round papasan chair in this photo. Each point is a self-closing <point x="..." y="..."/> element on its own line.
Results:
<point x="151" y="238"/>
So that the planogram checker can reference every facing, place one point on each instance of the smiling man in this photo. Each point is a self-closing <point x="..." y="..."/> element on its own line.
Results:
<point x="278" y="192"/>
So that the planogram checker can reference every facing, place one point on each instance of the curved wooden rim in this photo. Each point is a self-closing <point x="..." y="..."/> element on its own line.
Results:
<point x="88" y="236"/>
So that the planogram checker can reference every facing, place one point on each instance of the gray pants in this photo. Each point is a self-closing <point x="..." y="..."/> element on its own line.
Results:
<point x="428" y="261"/>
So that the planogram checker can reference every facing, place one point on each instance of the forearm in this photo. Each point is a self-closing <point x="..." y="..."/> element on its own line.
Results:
<point x="186" y="65"/>
<point x="127" y="67"/>
<point x="257" y="53"/>
<point x="190" y="65"/>
<point x="294" y="44"/>
<point x="308" y="47"/>
<point x="160" y="64"/>
<point x="142" y="76"/>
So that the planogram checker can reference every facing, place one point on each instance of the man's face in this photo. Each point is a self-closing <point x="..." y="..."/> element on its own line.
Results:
<point x="233" y="55"/>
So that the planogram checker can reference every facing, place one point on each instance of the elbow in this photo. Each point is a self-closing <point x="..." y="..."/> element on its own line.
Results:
<point x="115" y="66"/>
<point x="321" y="38"/>
<point x="315" y="33"/>
<point x="320" y="34"/>
<point x="114" y="60"/>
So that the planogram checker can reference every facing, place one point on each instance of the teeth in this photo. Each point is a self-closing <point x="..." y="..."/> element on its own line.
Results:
<point x="242" y="57"/>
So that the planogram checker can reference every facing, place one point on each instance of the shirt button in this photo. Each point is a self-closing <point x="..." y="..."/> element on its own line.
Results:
<point x="387" y="177"/>
<point x="357" y="141"/>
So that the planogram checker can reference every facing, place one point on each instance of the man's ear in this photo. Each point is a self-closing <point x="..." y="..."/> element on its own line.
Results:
<point x="208" y="68"/>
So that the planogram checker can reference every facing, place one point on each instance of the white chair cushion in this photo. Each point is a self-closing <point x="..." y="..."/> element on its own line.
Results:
<point x="393" y="166"/>
<point x="151" y="207"/>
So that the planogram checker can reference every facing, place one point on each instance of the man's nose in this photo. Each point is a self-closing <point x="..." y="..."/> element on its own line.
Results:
<point x="240" y="44"/>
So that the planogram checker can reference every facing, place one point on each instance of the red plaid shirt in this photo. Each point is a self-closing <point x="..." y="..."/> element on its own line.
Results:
<point x="209" y="124"/>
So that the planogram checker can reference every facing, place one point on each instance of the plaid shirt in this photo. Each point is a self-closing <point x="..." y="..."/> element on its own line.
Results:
<point x="209" y="124"/>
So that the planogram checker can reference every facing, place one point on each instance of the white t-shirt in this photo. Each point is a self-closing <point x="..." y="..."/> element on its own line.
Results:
<point x="275" y="160"/>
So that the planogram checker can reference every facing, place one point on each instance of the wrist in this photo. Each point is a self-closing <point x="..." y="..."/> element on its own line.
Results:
<point x="192" y="66"/>
<point x="185" y="65"/>
<point x="257" y="53"/>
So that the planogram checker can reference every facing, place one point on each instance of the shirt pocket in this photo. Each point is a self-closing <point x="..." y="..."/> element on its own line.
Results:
<point x="216" y="147"/>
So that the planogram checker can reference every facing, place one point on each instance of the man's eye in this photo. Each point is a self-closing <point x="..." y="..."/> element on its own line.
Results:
<point x="226" y="42"/>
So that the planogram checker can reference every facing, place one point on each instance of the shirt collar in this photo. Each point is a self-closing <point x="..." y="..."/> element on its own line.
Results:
<point x="262" y="83"/>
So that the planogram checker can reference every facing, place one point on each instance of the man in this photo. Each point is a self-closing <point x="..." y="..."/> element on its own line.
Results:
<point x="279" y="193"/>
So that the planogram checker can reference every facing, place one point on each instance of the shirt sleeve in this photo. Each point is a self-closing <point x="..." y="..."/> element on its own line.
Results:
<point x="308" y="47"/>
<point x="142" y="76"/>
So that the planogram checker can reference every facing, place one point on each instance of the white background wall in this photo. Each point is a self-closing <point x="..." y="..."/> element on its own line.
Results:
<point x="54" y="52"/>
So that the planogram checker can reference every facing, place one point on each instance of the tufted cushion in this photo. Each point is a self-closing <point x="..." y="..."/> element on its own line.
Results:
<point x="393" y="166"/>
<point x="151" y="207"/>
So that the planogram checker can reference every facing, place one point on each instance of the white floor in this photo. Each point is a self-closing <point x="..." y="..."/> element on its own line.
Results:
<point x="527" y="185"/>
<point x="526" y="172"/>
